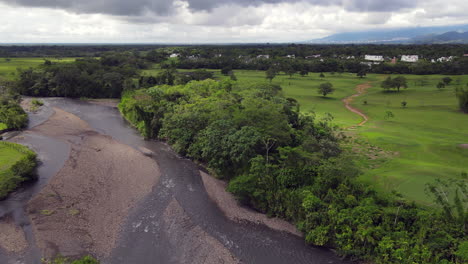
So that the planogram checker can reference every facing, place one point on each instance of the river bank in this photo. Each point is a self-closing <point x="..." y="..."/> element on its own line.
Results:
<point x="110" y="199"/>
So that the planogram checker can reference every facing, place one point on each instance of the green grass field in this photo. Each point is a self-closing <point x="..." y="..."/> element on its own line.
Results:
<point x="426" y="134"/>
<point x="8" y="157"/>
<point x="8" y="67"/>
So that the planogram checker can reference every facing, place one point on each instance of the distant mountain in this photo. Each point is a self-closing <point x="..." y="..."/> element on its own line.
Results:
<point x="448" y="37"/>
<point x="444" y="34"/>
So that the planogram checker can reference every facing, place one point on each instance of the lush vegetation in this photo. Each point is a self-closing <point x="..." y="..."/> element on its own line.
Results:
<point x="89" y="77"/>
<point x="414" y="145"/>
<point x="17" y="164"/>
<point x="289" y="165"/>
<point x="289" y="162"/>
<point x="12" y="116"/>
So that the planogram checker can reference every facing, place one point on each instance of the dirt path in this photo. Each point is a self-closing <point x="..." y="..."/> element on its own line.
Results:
<point x="361" y="89"/>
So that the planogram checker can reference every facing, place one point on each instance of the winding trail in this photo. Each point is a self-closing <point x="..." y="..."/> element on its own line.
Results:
<point x="361" y="89"/>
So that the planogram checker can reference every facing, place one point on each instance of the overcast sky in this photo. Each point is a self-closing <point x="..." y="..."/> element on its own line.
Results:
<point x="209" y="21"/>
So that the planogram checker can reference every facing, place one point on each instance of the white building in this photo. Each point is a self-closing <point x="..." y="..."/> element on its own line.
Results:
<point x="291" y="56"/>
<point x="174" y="55"/>
<point x="445" y="59"/>
<point x="193" y="57"/>
<point x="313" y="56"/>
<point x="410" y="58"/>
<point x="263" y="56"/>
<point x="374" y="57"/>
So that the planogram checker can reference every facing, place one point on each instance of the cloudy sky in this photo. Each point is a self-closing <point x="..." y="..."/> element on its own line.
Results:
<point x="208" y="21"/>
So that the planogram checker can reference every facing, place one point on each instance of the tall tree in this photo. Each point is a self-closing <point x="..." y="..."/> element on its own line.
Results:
<point x="270" y="74"/>
<point x="325" y="89"/>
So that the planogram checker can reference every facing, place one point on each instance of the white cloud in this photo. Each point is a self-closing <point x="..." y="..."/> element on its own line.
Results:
<point x="263" y="22"/>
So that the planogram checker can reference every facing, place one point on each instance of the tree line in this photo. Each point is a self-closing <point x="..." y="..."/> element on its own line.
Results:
<point x="209" y="51"/>
<point x="304" y="66"/>
<point x="105" y="77"/>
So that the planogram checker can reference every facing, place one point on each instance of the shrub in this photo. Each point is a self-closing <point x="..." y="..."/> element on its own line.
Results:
<point x="23" y="170"/>
<point x="37" y="103"/>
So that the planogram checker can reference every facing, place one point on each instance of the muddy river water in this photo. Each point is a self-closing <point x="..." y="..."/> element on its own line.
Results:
<point x="176" y="222"/>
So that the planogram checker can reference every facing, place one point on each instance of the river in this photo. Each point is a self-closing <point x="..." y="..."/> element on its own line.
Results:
<point x="147" y="236"/>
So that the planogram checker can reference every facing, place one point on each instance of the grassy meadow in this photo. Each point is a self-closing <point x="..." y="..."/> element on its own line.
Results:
<point x="9" y="66"/>
<point x="426" y="134"/>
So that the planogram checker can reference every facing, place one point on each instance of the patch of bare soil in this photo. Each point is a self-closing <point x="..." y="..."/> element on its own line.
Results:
<point x="105" y="102"/>
<point x="216" y="190"/>
<point x="82" y="207"/>
<point x="196" y="245"/>
<point x="63" y="125"/>
<point x="360" y="89"/>
<point x="464" y="146"/>
<point x="12" y="237"/>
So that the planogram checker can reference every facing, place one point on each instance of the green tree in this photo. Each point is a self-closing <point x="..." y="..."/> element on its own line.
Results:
<point x="322" y="75"/>
<point x="452" y="197"/>
<point x="289" y="70"/>
<point x="389" y="115"/>
<point x="396" y="83"/>
<point x="226" y="70"/>
<point x="387" y="84"/>
<point x="325" y="89"/>
<point x="304" y="72"/>
<point x="362" y="73"/>
<point x="441" y="85"/>
<point x="270" y="74"/>
<point x="400" y="82"/>
<point x="447" y="80"/>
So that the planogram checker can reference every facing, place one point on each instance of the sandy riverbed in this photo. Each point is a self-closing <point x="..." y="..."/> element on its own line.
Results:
<point x="197" y="246"/>
<point x="12" y="238"/>
<point x="216" y="190"/>
<point x="81" y="209"/>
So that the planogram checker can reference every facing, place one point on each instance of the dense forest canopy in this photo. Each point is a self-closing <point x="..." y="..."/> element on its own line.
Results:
<point x="107" y="76"/>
